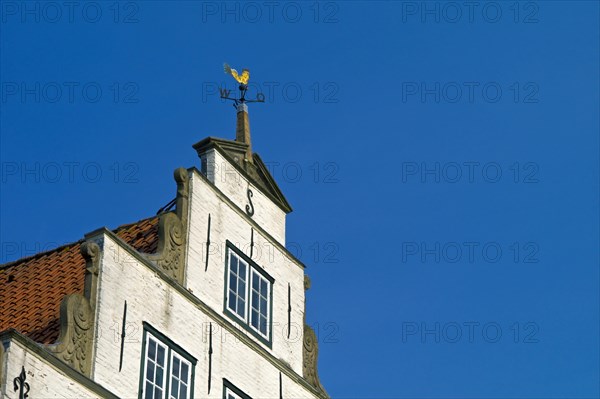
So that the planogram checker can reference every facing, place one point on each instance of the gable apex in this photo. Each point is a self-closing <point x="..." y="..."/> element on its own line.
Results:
<point x="254" y="170"/>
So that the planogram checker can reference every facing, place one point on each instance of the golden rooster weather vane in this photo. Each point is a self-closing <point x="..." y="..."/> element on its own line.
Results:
<point x="243" y="81"/>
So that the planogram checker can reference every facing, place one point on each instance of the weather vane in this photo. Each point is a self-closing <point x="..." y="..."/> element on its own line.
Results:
<point x="243" y="81"/>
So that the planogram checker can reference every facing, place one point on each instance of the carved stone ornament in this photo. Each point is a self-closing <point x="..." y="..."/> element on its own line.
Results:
<point x="310" y="352"/>
<point x="172" y="232"/>
<point x="75" y="342"/>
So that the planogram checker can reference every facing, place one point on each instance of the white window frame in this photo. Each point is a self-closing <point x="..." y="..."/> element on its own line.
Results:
<point x="230" y="390"/>
<point x="189" y="373"/>
<point x="172" y="350"/>
<point x="261" y="277"/>
<point x="229" y="393"/>
<point x="240" y="260"/>
<point x="149" y="336"/>
<point x="251" y="269"/>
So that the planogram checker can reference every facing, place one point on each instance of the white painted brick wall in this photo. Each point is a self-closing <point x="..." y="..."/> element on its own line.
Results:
<point x="227" y="223"/>
<point x="151" y="299"/>
<point x="234" y="185"/>
<point x="44" y="380"/>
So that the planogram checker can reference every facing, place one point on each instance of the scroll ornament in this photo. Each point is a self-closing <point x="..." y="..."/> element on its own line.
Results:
<point x="75" y="342"/>
<point x="172" y="232"/>
<point x="310" y="352"/>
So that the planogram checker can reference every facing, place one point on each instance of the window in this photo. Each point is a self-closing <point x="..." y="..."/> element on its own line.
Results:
<point x="180" y="377"/>
<point x="167" y="370"/>
<point x="248" y="293"/>
<point x="259" y="312"/>
<point x="229" y="394"/>
<point x="230" y="391"/>
<point x="156" y="360"/>
<point x="238" y="272"/>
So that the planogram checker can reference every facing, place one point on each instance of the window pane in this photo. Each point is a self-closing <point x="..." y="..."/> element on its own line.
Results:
<point x="160" y="357"/>
<point x="263" y="287"/>
<point x="254" y="299"/>
<point x="184" y="372"/>
<point x="158" y="393"/>
<point x="232" y="302"/>
<point x="263" y="325"/>
<point x="176" y="366"/>
<point x="233" y="263"/>
<point x="233" y="282"/>
<point x="159" y="375"/>
<point x="263" y="306"/>
<point x="174" y="388"/>
<point x="150" y="371"/>
<point x="241" y="308"/>
<point x="152" y="349"/>
<point x="149" y="390"/>
<point x="254" y="281"/>
<point x="254" y="319"/>
<point x="242" y="270"/>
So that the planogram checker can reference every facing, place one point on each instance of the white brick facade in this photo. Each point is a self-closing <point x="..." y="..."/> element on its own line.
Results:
<point x="44" y="374"/>
<point x="234" y="185"/>
<point x="184" y="312"/>
<point x="185" y="321"/>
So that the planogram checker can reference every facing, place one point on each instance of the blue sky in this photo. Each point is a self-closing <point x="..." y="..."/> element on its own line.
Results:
<point x="441" y="159"/>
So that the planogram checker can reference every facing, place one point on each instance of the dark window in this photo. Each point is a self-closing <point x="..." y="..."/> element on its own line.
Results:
<point x="248" y="293"/>
<point x="230" y="391"/>
<point x="167" y="370"/>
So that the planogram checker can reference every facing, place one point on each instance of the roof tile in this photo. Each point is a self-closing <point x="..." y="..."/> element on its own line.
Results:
<point x="32" y="288"/>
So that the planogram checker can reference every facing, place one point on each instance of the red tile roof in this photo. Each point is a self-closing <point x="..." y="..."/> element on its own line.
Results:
<point x="32" y="288"/>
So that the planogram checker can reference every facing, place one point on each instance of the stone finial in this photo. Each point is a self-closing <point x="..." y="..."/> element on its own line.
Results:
<point x="91" y="253"/>
<point x="172" y="232"/>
